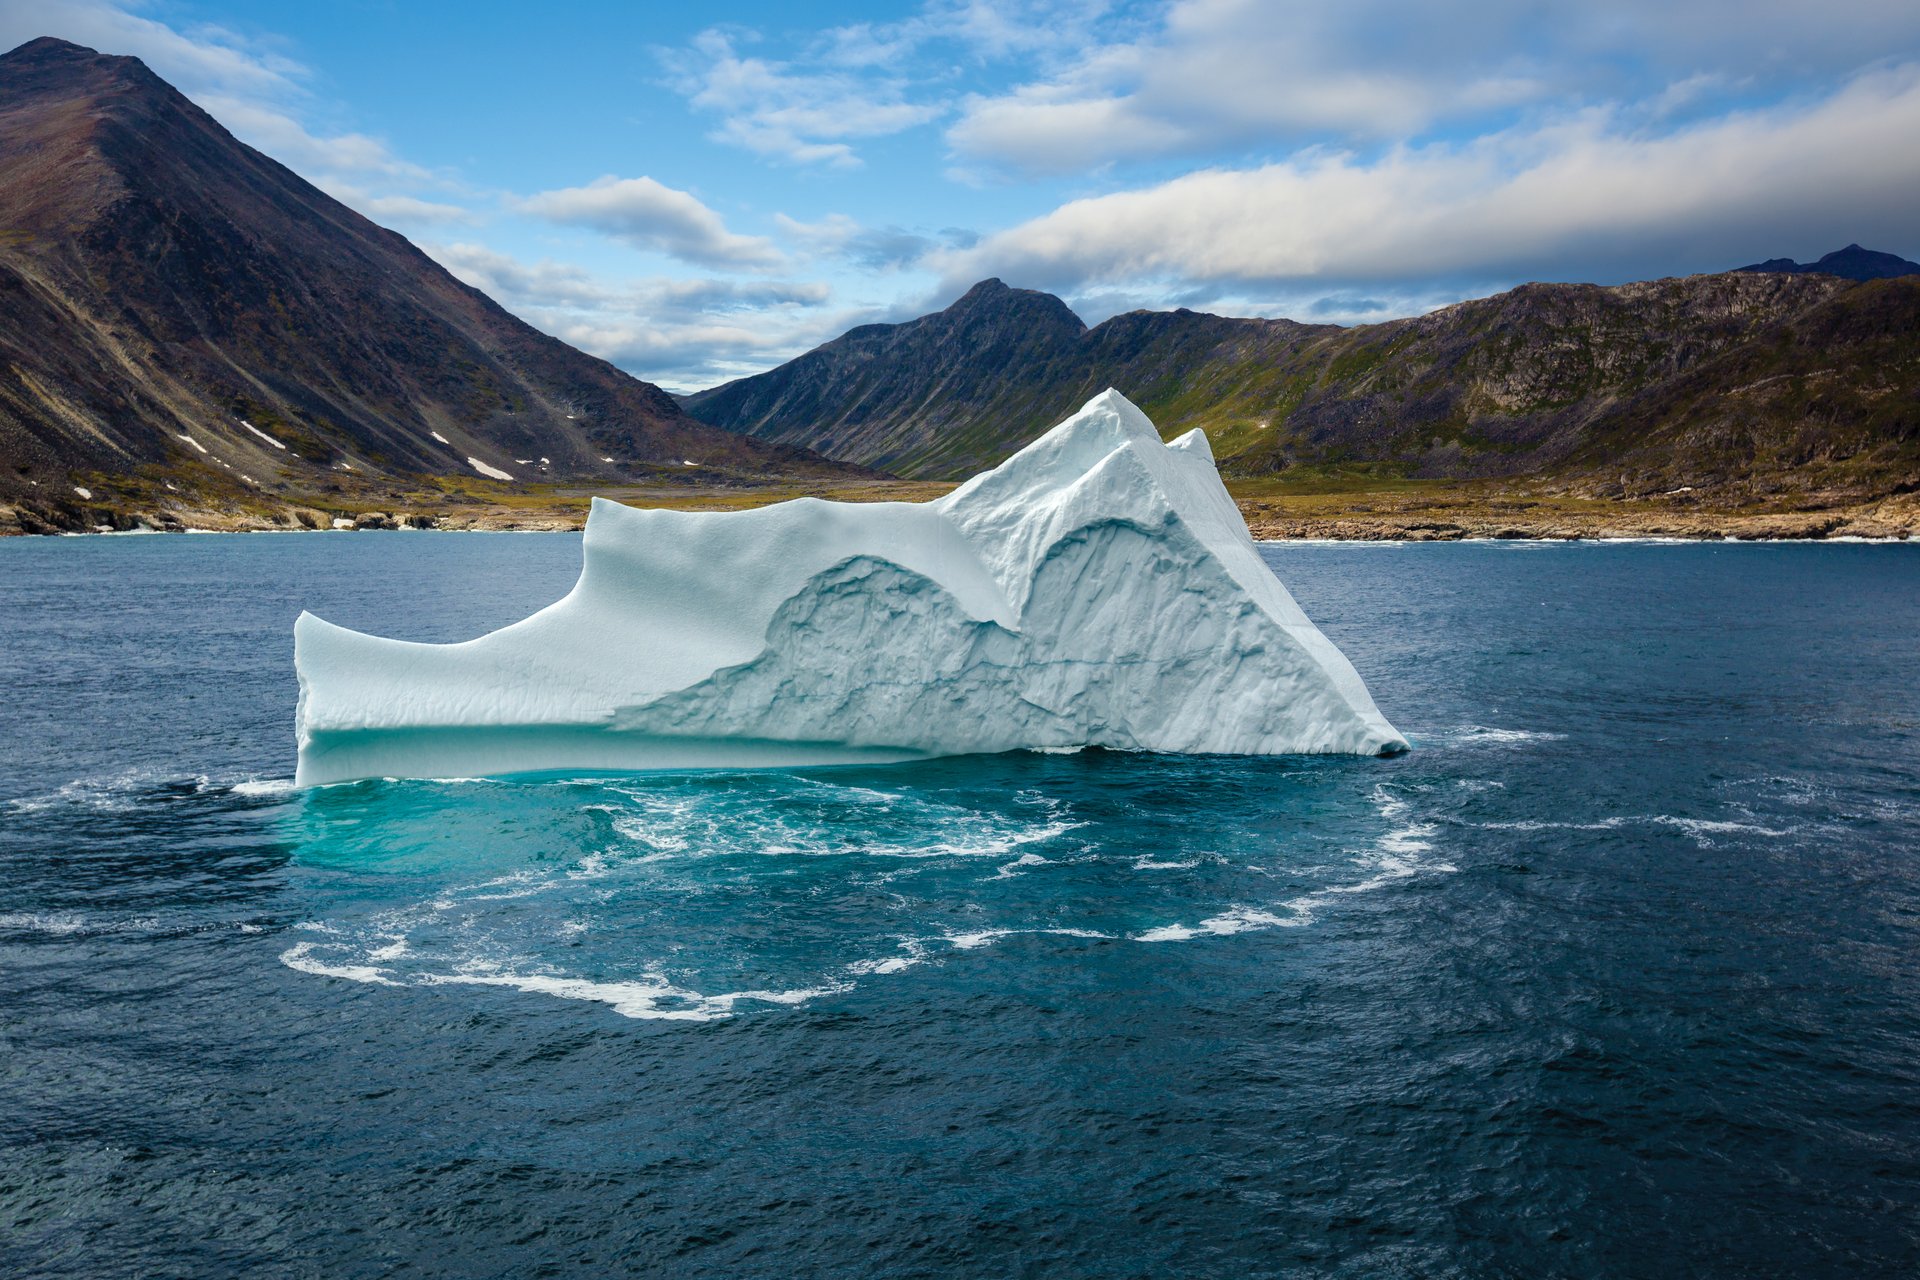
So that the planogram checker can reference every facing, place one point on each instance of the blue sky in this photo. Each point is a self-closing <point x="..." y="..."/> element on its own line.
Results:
<point x="698" y="191"/>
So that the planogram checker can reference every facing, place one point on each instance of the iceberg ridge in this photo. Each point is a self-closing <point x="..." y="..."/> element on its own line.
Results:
<point x="1098" y="588"/>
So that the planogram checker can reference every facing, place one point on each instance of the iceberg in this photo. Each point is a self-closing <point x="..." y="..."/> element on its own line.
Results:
<point x="1098" y="588"/>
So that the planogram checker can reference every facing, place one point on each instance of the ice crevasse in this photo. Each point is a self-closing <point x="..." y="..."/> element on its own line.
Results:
<point x="1098" y="588"/>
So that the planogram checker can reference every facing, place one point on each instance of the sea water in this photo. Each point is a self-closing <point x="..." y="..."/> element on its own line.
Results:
<point x="1617" y="973"/>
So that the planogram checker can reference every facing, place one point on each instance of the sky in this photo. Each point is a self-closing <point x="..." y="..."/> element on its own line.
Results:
<point x="700" y="191"/>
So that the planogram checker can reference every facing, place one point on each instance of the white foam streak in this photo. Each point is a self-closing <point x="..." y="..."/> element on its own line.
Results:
<point x="1480" y="733"/>
<point x="1397" y="855"/>
<point x="300" y="956"/>
<point x="1236" y="920"/>
<point x="646" y="998"/>
<point x="1699" y="829"/>
<point x="59" y="925"/>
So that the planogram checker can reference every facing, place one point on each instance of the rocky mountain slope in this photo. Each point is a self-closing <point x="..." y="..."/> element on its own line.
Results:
<point x="181" y="315"/>
<point x="945" y="395"/>
<point x="1747" y="382"/>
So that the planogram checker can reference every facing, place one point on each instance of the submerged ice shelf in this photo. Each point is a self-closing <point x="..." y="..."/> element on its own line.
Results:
<point x="1098" y="588"/>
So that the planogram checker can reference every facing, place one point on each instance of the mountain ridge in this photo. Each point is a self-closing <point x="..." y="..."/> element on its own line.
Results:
<point x="1598" y="386"/>
<point x="1850" y="263"/>
<point x="935" y="369"/>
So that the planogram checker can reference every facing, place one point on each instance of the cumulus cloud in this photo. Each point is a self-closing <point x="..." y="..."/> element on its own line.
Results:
<point x="273" y="130"/>
<point x="806" y="117"/>
<point x="507" y="279"/>
<point x="874" y="248"/>
<point x="1130" y="102"/>
<point x="650" y="215"/>
<point x="1034" y="88"/>
<point x="1218" y="74"/>
<point x="1587" y="193"/>
<point x="690" y="357"/>
<point x="679" y="332"/>
<point x="390" y="209"/>
<point x="556" y="284"/>
<point x="867" y="79"/>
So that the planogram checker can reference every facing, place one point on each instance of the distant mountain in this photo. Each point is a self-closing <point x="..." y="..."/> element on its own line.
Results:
<point x="1850" y="263"/>
<point x="177" y="307"/>
<point x="1764" y="380"/>
<point x="917" y="398"/>
<point x="958" y="390"/>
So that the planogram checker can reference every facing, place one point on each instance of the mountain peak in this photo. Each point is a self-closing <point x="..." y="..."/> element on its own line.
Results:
<point x="965" y="351"/>
<point x="48" y="49"/>
<point x="49" y="59"/>
<point x="992" y="291"/>
<point x="177" y="300"/>
<point x="993" y="297"/>
<point x="1852" y="263"/>
<point x="42" y="80"/>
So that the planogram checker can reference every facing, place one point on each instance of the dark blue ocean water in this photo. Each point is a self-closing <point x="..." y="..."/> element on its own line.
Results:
<point x="1616" y="974"/>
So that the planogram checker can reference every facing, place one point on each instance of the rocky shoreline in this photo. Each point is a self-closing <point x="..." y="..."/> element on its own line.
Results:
<point x="1803" y="527"/>
<point x="1269" y="520"/>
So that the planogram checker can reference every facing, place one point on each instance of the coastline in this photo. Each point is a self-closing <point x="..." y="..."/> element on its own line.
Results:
<point x="1274" y="512"/>
<point x="1810" y="526"/>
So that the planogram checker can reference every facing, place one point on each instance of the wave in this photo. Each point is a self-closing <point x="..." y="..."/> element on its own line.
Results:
<point x="1700" y="829"/>
<point x="689" y="901"/>
<point x="139" y="788"/>
<point x="1475" y="734"/>
<point x="1398" y="853"/>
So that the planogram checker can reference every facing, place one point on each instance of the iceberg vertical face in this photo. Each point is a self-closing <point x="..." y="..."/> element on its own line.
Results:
<point x="1098" y="588"/>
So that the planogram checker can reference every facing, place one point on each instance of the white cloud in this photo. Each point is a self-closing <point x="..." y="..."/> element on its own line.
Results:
<point x="553" y="284"/>
<point x="697" y="347"/>
<point x="396" y="208"/>
<point x="681" y="332"/>
<point x="686" y="357"/>
<point x="875" y="248"/>
<point x="830" y="233"/>
<point x="1582" y="194"/>
<point x="864" y="80"/>
<point x="650" y="215"/>
<point x="276" y="132"/>
<point x="804" y="117"/>
<point x="505" y="278"/>
<point x="1067" y="87"/>
<point x="1236" y="76"/>
<point x="1222" y="74"/>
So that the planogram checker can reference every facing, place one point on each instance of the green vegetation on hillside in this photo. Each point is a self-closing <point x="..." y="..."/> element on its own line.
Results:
<point x="1740" y="383"/>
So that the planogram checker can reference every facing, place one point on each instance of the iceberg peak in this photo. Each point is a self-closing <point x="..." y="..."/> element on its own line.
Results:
<point x="1098" y="588"/>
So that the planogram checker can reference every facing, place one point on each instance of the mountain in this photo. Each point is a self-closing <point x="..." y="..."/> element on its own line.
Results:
<point x="1850" y="263"/>
<point x="951" y="393"/>
<point x="1765" y="382"/>
<point x="178" y="309"/>
<point x="903" y="397"/>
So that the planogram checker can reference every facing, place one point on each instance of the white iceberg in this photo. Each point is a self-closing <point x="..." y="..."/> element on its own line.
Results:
<point x="1098" y="588"/>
